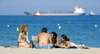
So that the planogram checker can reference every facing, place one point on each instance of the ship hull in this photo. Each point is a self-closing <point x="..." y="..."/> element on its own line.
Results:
<point x="27" y="13"/>
<point x="93" y="15"/>
<point x="54" y="14"/>
<point x="63" y="14"/>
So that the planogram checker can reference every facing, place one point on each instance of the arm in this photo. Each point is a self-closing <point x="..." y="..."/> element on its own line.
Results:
<point x="37" y="40"/>
<point x="61" y="45"/>
<point x="68" y="44"/>
<point x="50" y="39"/>
<point x="27" y="38"/>
<point x="57" y="40"/>
<point x="19" y="38"/>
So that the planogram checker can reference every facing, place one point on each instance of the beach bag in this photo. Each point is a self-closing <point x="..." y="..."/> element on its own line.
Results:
<point x="32" y="44"/>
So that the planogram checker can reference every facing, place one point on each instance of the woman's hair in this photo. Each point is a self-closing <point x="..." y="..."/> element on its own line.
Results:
<point x="65" y="37"/>
<point x="23" y="27"/>
<point x="54" y="39"/>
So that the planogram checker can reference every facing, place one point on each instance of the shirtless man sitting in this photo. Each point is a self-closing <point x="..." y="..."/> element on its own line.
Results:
<point x="42" y="40"/>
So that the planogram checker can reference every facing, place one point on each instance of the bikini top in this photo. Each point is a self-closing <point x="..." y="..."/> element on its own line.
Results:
<point x="23" y="36"/>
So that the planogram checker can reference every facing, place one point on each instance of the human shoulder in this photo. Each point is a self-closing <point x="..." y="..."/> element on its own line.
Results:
<point x="39" y="34"/>
<point x="57" y="38"/>
<point x="20" y="33"/>
<point x="27" y="32"/>
<point x="48" y="34"/>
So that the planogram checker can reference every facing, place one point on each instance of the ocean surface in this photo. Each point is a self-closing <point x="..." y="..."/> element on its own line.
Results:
<point x="82" y="29"/>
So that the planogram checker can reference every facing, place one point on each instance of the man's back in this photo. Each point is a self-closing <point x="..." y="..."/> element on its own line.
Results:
<point x="43" y="39"/>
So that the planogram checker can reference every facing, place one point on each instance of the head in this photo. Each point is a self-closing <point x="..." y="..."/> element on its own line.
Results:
<point x="53" y="34"/>
<point x="44" y="30"/>
<point x="63" y="37"/>
<point x="54" y="37"/>
<point x="24" y="28"/>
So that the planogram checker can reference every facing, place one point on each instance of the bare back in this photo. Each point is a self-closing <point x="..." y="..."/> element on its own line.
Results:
<point x="43" y="38"/>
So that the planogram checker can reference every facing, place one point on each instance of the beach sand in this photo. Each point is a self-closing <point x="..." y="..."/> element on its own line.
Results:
<point x="48" y="51"/>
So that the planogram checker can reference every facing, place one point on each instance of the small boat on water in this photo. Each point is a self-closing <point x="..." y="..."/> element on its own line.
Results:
<point x="91" y="14"/>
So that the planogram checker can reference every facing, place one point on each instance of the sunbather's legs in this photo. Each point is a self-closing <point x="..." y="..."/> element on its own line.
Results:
<point x="76" y="45"/>
<point x="80" y="45"/>
<point x="24" y="45"/>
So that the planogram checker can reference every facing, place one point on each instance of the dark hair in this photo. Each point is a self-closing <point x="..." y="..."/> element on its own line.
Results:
<point x="54" y="34"/>
<point x="54" y="39"/>
<point x="65" y="37"/>
<point x="44" y="30"/>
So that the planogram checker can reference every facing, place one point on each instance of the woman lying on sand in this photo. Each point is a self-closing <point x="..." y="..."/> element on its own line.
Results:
<point x="65" y="42"/>
<point x="22" y="35"/>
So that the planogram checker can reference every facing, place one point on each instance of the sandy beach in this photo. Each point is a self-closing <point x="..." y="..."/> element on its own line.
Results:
<point x="48" y="51"/>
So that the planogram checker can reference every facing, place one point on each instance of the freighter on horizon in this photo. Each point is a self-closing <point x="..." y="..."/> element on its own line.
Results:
<point x="77" y="12"/>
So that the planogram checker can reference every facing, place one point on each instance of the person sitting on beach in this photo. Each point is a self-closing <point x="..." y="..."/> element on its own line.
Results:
<point x="22" y="35"/>
<point x="42" y="40"/>
<point x="54" y="38"/>
<point x="65" y="42"/>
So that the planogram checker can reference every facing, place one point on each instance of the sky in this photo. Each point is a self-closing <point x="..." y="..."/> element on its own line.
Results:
<point x="17" y="7"/>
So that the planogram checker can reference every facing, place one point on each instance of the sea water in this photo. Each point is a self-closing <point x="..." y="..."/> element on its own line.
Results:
<point x="80" y="30"/>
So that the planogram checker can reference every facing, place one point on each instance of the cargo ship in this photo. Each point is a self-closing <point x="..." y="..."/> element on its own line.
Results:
<point x="78" y="11"/>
